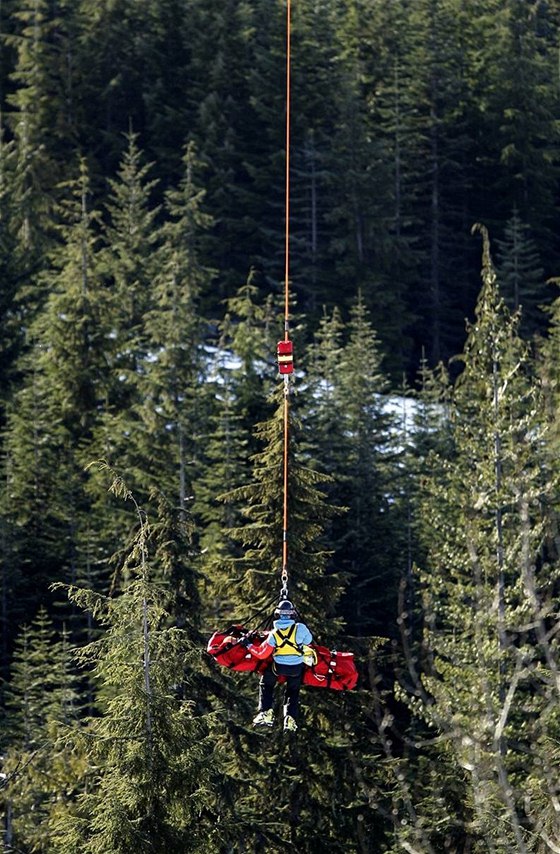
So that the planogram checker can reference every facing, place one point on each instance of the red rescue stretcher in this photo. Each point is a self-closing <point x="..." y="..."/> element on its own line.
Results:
<point x="333" y="669"/>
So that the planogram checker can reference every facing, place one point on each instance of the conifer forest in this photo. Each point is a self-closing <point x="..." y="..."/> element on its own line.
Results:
<point x="143" y="422"/>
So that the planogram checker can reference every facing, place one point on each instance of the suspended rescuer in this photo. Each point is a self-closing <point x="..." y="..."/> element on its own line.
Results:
<point x="285" y="644"/>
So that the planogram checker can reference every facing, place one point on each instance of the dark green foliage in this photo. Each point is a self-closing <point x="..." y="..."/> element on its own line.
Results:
<point x="170" y="421"/>
<point x="42" y="768"/>
<point x="147" y="752"/>
<point x="521" y="276"/>
<point x="255" y="574"/>
<point x="518" y="71"/>
<point x="54" y="412"/>
<point x="313" y="783"/>
<point x="142" y="168"/>
<point x="226" y="131"/>
<point x="132" y="57"/>
<point x="484" y="611"/>
<point x="16" y="303"/>
<point x="129" y="263"/>
<point x="405" y="119"/>
<point x="353" y="435"/>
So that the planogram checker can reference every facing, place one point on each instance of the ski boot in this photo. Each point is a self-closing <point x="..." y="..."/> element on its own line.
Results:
<point x="289" y="724"/>
<point x="264" y="718"/>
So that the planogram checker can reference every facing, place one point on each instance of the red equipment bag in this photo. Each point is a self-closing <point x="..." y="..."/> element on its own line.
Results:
<point x="335" y="670"/>
<point x="225" y="648"/>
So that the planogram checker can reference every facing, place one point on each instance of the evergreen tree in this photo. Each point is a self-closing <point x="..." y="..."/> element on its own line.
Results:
<point x="225" y="453"/>
<point x="132" y="71"/>
<point x="56" y="409"/>
<point x="484" y="619"/>
<point x="369" y="246"/>
<point x="323" y="416"/>
<point x="147" y="751"/>
<point x="13" y="297"/>
<point x="32" y="499"/>
<point x="42" y="769"/>
<point x="37" y="134"/>
<point x="519" y="165"/>
<point x="256" y="572"/>
<point x="130" y="238"/>
<point x="247" y="334"/>
<point x="521" y="276"/>
<point x="548" y="367"/>
<point x="302" y="774"/>
<point x="127" y="265"/>
<point x="352" y="434"/>
<point x="223" y="40"/>
<point x="174" y="562"/>
<point x="438" y="83"/>
<point x="370" y="475"/>
<point x="388" y="100"/>
<point x="41" y="117"/>
<point x="170" y="422"/>
<point x="72" y="327"/>
<point x="315" y="81"/>
<point x="241" y="389"/>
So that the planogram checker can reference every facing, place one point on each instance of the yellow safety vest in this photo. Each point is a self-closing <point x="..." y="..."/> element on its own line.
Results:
<point x="286" y="641"/>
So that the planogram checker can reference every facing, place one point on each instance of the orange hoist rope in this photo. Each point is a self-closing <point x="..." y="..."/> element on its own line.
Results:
<point x="288" y="110"/>
<point x="284" y="592"/>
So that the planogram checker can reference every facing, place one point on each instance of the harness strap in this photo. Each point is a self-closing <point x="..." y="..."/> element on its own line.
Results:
<point x="288" y="639"/>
